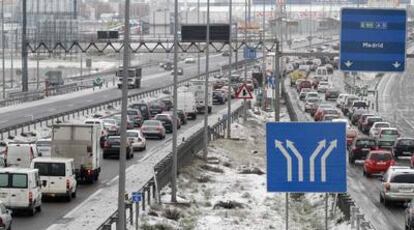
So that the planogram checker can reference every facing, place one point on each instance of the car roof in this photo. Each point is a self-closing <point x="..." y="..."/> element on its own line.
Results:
<point x="400" y="169"/>
<point x="52" y="159"/>
<point x="17" y="170"/>
<point x="405" y="138"/>
<point x="388" y="128"/>
<point x="380" y="151"/>
<point x="365" y="138"/>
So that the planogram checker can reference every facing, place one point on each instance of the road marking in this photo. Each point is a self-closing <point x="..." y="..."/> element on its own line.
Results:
<point x="51" y="109"/>
<point x="4" y="121"/>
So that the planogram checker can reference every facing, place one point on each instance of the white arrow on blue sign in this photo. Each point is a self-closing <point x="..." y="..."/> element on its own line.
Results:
<point x="136" y="197"/>
<point x="306" y="157"/>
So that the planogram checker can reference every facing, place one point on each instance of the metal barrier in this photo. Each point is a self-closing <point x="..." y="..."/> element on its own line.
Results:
<point x="162" y="170"/>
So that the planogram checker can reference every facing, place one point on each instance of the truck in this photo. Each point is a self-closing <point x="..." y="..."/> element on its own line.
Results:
<point x="197" y="87"/>
<point x="80" y="142"/>
<point x="134" y="77"/>
<point x="187" y="103"/>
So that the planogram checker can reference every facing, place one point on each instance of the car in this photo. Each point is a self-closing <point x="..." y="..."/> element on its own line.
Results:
<point x="319" y="116"/>
<point x="329" y="117"/>
<point x="156" y="108"/>
<point x="136" y="117"/>
<point x="362" y="119"/>
<point x="151" y="128"/>
<point x="304" y="84"/>
<point x="409" y="215"/>
<point x="20" y="154"/>
<point x="118" y="116"/>
<point x="144" y="107"/>
<point x="388" y="135"/>
<point x="320" y="108"/>
<point x="351" y="134"/>
<point x="303" y="93"/>
<point x="340" y="99"/>
<point x="20" y="189"/>
<point x="218" y="98"/>
<point x="180" y="71"/>
<point x="189" y="60"/>
<point x="360" y="148"/>
<point x="356" y="114"/>
<point x="5" y="217"/>
<point x="323" y="86"/>
<point x="331" y="94"/>
<point x="225" y="53"/>
<point x="168" y="66"/>
<point x="112" y="148"/>
<point x="397" y="185"/>
<point x="168" y="103"/>
<point x="312" y="94"/>
<point x="403" y="146"/>
<point x="311" y="104"/>
<point x="349" y="100"/>
<point x="377" y="161"/>
<point x="57" y="176"/>
<point x="367" y="124"/>
<point x="166" y="120"/>
<point x="182" y="116"/>
<point x="44" y="147"/>
<point x="374" y="130"/>
<point x="112" y="126"/>
<point x="137" y="140"/>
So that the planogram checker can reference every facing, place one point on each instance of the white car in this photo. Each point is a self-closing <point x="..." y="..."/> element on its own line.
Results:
<point x="342" y="120"/>
<point x="20" y="155"/>
<point x="311" y="94"/>
<point x="373" y="132"/>
<point x="20" y="189"/>
<point x="189" y="60"/>
<point x="43" y="147"/>
<point x="137" y="139"/>
<point x="57" y="176"/>
<point x="341" y="99"/>
<point x="323" y="86"/>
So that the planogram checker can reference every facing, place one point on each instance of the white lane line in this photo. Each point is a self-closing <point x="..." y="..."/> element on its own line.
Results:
<point x="4" y="121"/>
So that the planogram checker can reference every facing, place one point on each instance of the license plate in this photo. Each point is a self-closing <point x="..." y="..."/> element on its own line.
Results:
<point x="116" y="146"/>
<point x="366" y="149"/>
<point x="381" y="163"/>
<point x="405" y="190"/>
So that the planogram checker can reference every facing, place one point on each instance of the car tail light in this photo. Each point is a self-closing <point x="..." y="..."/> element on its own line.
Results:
<point x="107" y="144"/>
<point x="68" y="184"/>
<point x="387" y="187"/>
<point x="30" y="198"/>
<point x="392" y="162"/>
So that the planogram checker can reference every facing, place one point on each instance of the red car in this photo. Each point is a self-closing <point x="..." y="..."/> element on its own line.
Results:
<point x="321" y="113"/>
<point x="304" y="84"/>
<point x="378" y="161"/>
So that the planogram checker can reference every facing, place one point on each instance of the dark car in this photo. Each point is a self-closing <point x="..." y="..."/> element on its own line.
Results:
<point x="156" y="108"/>
<point x="367" y="124"/>
<point x="112" y="148"/>
<point x="225" y="54"/>
<point x="144" y="108"/>
<point x="181" y="115"/>
<point x="409" y="216"/>
<point x="403" y="146"/>
<point x="356" y="114"/>
<point x="331" y="94"/>
<point x="180" y="71"/>
<point x="168" y="66"/>
<point x="360" y="148"/>
<point x="166" y="120"/>
<point x="136" y="117"/>
<point x="168" y="103"/>
<point x="218" y="98"/>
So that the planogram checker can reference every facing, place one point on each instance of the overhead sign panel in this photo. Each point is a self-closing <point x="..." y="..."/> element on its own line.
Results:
<point x="198" y="33"/>
<point x="373" y="40"/>
<point x="306" y="157"/>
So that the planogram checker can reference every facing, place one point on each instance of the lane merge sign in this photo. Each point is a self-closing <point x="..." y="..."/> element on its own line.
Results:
<point x="243" y="92"/>
<point x="306" y="157"/>
<point x="373" y="40"/>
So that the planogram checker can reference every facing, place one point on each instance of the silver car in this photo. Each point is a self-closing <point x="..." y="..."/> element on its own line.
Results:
<point x="5" y="217"/>
<point x="397" y="185"/>
<point x="137" y="139"/>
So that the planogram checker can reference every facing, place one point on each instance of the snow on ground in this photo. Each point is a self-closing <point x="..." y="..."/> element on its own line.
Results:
<point x="234" y="177"/>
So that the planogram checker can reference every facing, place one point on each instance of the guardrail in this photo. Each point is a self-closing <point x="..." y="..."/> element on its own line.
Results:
<point x="7" y="131"/>
<point x="344" y="201"/>
<point x="185" y="154"/>
<point x="20" y="97"/>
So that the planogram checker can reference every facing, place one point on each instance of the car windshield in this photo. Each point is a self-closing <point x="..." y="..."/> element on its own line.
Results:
<point x="407" y="142"/>
<point x="381" y="156"/>
<point x="132" y="134"/>
<point x="43" y="143"/>
<point x="132" y="112"/>
<point x="109" y="121"/>
<point x="162" y="117"/>
<point x="114" y="140"/>
<point x="403" y="178"/>
<point x="365" y="143"/>
<point x="389" y="132"/>
<point x="50" y="169"/>
<point x="331" y="111"/>
<point x="372" y="120"/>
<point x="382" y="125"/>
<point x="151" y="123"/>
<point x="312" y="100"/>
<point x="19" y="180"/>
<point x="385" y="143"/>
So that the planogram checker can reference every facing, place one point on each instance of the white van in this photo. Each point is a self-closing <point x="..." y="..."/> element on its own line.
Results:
<point x="57" y="176"/>
<point x="20" y="189"/>
<point x="20" y="155"/>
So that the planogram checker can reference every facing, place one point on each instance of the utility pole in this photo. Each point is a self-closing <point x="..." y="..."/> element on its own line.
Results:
<point x="174" y="140"/>
<point x="121" y="223"/>
<point x="198" y="53"/>
<point x="25" y="80"/>
<point x="264" y="97"/>
<point x="229" y="81"/>
<point x="206" y="88"/>
<point x="2" y="47"/>
<point x="245" y="66"/>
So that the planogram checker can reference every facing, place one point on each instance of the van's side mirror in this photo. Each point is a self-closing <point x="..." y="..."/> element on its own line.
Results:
<point x="406" y="204"/>
<point x="40" y="154"/>
<point x="44" y="183"/>
<point x="10" y="212"/>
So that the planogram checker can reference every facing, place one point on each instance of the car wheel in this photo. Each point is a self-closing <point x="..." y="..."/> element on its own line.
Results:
<point x="69" y="197"/>
<point x="145" y="147"/>
<point x="39" y="208"/>
<point x="74" y="193"/>
<point x="104" y="156"/>
<point x="32" y="211"/>
<point x="381" y="198"/>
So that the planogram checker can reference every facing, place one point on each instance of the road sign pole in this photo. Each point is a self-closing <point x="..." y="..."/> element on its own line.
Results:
<point x="136" y="215"/>
<point x="174" y="141"/>
<point x="287" y="211"/>
<point x="229" y="77"/>
<point x="276" y="74"/>
<point x="245" y="66"/>
<point x="206" y="88"/>
<point x="121" y="223"/>
<point x="198" y="53"/>
<point x="326" y="211"/>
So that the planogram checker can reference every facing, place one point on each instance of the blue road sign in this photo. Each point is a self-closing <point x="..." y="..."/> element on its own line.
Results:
<point x="373" y="40"/>
<point x="136" y="197"/>
<point x="249" y="53"/>
<point x="306" y="157"/>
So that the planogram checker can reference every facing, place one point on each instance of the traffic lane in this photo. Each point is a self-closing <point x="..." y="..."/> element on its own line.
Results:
<point x="54" y="209"/>
<point x="20" y="116"/>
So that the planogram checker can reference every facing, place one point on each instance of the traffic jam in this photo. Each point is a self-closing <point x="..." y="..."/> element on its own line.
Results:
<point x="51" y="168"/>
<point x="381" y="152"/>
